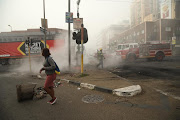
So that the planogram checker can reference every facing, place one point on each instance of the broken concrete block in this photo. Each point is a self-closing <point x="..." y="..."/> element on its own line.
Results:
<point x="128" y="91"/>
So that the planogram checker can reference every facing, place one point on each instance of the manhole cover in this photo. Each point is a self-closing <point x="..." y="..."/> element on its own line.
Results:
<point x="92" y="98"/>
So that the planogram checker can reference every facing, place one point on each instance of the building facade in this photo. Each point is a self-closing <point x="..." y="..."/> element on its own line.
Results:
<point x="152" y="10"/>
<point x="37" y="35"/>
<point x="159" y="31"/>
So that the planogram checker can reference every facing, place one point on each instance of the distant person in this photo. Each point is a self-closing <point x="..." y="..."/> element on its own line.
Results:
<point x="49" y="67"/>
<point x="100" y="57"/>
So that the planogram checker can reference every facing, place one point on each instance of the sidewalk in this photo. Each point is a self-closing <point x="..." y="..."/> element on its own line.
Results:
<point x="99" y="79"/>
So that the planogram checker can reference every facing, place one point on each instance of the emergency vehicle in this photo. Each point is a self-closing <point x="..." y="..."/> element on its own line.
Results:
<point x="133" y="51"/>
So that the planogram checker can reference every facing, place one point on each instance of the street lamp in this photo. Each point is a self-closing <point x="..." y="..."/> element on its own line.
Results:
<point x="10" y="27"/>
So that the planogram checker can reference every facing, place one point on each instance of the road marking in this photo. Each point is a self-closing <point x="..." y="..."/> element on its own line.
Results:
<point x="167" y="94"/>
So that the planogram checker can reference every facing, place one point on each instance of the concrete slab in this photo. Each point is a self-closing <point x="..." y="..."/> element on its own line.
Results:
<point x="128" y="91"/>
<point x="86" y="85"/>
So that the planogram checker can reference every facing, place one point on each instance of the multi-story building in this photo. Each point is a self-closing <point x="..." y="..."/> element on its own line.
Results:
<point x="155" y="21"/>
<point x="159" y="31"/>
<point x="141" y="10"/>
<point x="151" y="10"/>
<point x="112" y="32"/>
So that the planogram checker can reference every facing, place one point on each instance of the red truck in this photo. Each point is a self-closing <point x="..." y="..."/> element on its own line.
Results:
<point x="133" y="51"/>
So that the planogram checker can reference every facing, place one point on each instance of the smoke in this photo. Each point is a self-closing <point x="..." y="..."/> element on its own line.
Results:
<point x="60" y="54"/>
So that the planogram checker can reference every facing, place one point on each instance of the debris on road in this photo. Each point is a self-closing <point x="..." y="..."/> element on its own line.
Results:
<point x="40" y="93"/>
<point x="25" y="92"/>
<point x="128" y="91"/>
<point x="39" y="76"/>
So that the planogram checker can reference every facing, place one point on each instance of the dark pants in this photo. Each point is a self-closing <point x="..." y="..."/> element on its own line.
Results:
<point x="100" y="63"/>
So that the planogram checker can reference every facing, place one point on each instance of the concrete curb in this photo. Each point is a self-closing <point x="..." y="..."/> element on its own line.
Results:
<point x="106" y="90"/>
<point x="89" y="86"/>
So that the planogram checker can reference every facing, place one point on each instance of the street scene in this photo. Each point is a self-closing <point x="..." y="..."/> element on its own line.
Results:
<point x="75" y="62"/>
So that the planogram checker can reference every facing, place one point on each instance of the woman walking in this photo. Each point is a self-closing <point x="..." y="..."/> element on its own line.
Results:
<point x="49" y="67"/>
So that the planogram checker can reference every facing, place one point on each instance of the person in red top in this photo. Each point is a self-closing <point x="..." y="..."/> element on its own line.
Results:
<point x="49" y="67"/>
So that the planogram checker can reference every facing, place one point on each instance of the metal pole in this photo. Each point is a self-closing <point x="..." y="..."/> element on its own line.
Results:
<point x="82" y="36"/>
<point x="78" y="53"/>
<point x="160" y="30"/>
<point x="29" y="58"/>
<point x="145" y="32"/>
<point x="44" y="24"/>
<point x="29" y="53"/>
<point x="69" y="45"/>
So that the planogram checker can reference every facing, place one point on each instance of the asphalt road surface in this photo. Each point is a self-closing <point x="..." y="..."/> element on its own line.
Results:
<point x="149" y="105"/>
<point x="70" y="106"/>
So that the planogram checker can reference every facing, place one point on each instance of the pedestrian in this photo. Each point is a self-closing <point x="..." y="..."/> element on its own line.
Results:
<point x="100" y="57"/>
<point x="49" y="67"/>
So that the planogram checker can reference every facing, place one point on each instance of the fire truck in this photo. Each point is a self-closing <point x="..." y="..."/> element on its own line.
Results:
<point x="133" y="51"/>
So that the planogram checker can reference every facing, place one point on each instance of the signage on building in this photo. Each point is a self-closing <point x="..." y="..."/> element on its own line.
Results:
<point x="69" y="17"/>
<point x="35" y="47"/>
<point x="166" y="9"/>
<point x="77" y="23"/>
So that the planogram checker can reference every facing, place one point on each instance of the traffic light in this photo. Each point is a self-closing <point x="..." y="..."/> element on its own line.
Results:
<point x="42" y="29"/>
<point x="74" y="35"/>
<point x="77" y="36"/>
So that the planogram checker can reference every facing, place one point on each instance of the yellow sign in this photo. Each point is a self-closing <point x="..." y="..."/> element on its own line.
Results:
<point x="173" y="42"/>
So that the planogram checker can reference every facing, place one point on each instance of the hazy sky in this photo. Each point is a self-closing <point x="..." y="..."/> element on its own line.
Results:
<point x="97" y="14"/>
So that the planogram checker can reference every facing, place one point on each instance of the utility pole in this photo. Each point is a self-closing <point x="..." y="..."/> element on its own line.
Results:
<point x="82" y="41"/>
<point x="69" y="42"/>
<point x="44" y="24"/>
<point x="78" y="52"/>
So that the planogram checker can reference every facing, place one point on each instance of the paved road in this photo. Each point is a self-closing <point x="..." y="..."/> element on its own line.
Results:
<point x="70" y="106"/>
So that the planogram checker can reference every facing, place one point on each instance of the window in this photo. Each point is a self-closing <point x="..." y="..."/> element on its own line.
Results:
<point x="9" y="39"/>
<point x="142" y="31"/>
<point x="138" y="33"/>
<point x="135" y="46"/>
<point x="119" y="47"/>
<point x="20" y="39"/>
<point x="168" y="29"/>
<point x="178" y="28"/>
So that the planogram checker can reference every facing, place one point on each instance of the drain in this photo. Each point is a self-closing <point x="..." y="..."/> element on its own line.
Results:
<point x="92" y="99"/>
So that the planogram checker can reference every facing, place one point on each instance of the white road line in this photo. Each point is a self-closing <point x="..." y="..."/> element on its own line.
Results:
<point x="167" y="94"/>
